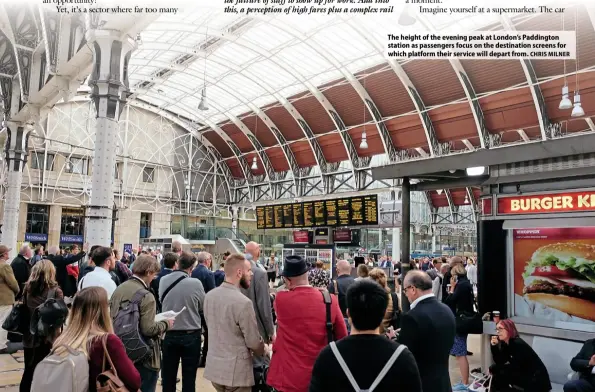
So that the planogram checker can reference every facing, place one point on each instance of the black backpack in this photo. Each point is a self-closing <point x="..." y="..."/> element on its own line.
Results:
<point x="48" y="317"/>
<point x="395" y="321"/>
<point x="127" y="328"/>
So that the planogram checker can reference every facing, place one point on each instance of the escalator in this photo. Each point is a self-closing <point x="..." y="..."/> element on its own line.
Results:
<point x="223" y="245"/>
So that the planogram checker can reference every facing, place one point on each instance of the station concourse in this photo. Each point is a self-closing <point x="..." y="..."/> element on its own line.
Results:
<point x="213" y="130"/>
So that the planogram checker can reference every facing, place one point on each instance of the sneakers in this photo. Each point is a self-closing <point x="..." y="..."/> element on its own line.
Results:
<point x="459" y="387"/>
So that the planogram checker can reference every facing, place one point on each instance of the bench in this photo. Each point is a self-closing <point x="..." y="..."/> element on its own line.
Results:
<point x="556" y="355"/>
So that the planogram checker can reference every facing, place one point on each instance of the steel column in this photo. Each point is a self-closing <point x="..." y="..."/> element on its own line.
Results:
<point x="16" y="152"/>
<point x="405" y="236"/>
<point x="109" y="85"/>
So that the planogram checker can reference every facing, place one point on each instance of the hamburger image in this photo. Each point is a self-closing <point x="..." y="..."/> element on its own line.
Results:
<point x="562" y="276"/>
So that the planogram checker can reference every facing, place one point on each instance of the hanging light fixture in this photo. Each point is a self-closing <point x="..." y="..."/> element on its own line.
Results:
<point x="364" y="143"/>
<point x="578" y="110"/>
<point x="203" y="101"/>
<point x="203" y="94"/>
<point x="475" y="171"/>
<point x="254" y="164"/>
<point x="406" y="19"/>
<point x="565" y="103"/>
<point x="439" y="191"/>
<point x="68" y="166"/>
<point x="139" y="41"/>
<point x="466" y="199"/>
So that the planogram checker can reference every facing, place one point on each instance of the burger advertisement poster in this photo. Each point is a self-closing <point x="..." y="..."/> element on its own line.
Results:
<point x="554" y="274"/>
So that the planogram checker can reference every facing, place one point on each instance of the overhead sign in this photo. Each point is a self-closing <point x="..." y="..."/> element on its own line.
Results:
<point x="548" y="203"/>
<point x="77" y="239"/>
<point x="347" y="211"/>
<point x="33" y="237"/>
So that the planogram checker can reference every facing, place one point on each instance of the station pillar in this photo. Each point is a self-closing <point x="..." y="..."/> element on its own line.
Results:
<point x="109" y="86"/>
<point x="15" y="154"/>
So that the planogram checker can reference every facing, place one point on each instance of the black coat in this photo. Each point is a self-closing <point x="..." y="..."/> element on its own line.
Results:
<point x="462" y="298"/>
<point x="66" y="282"/>
<point x="428" y="330"/>
<point x="580" y="363"/>
<point x="21" y="269"/>
<point x="520" y="365"/>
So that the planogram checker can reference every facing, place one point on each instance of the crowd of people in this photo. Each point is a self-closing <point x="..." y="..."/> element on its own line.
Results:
<point x="139" y="319"/>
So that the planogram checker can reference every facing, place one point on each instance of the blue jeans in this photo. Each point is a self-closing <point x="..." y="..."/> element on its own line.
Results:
<point x="184" y="345"/>
<point x="581" y="385"/>
<point x="148" y="378"/>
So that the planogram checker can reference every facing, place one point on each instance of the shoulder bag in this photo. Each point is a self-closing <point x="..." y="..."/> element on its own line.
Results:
<point x="469" y="322"/>
<point x="108" y="380"/>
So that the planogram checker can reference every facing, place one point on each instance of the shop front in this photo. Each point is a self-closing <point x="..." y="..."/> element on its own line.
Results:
<point x="537" y="267"/>
<point x="72" y="227"/>
<point x="37" y="225"/>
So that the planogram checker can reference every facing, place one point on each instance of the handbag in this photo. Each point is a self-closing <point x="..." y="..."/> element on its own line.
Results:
<point x="469" y="322"/>
<point x="18" y="319"/>
<point x="108" y="380"/>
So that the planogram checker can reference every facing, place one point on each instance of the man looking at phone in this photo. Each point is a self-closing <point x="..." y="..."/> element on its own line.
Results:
<point x="428" y="330"/>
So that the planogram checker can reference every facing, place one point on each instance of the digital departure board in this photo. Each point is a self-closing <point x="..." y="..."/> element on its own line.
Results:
<point x="278" y="216"/>
<point x="308" y="208"/>
<point x="331" y="212"/>
<point x="260" y="222"/>
<point x="319" y="214"/>
<point x="287" y="215"/>
<point x="357" y="211"/>
<point x="344" y="212"/>
<point x="371" y="210"/>
<point x="269" y="217"/>
<point x="347" y="211"/>
<point x="298" y="214"/>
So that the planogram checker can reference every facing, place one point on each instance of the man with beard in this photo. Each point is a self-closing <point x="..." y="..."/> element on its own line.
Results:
<point x="229" y="312"/>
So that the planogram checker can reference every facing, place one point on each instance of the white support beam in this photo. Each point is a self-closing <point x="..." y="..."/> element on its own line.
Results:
<point x="523" y="135"/>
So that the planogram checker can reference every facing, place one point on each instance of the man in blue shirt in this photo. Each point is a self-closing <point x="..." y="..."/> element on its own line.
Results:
<point x="203" y="273"/>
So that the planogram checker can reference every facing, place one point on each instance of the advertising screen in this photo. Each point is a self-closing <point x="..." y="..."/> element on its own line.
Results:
<point x="300" y="237"/>
<point x="554" y="274"/>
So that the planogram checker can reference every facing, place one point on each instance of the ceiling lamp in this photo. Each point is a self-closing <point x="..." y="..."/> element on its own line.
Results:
<point x="68" y="166"/>
<point x="565" y="103"/>
<point x="466" y="201"/>
<point x="578" y="110"/>
<point x="254" y="164"/>
<point x="203" y="101"/>
<point x="139" y="41"/>
<point x="475" y="171"/>
<point x="405" y="19"/>
<point x="364" y="143"/>
<point x="439" y="191"/>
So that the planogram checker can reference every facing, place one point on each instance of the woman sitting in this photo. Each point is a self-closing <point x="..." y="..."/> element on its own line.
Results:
<point x="517" y="367"/>
<point x="89" y="326"/>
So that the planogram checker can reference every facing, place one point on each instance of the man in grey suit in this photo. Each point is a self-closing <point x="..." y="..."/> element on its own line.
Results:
<point x="259" y="294"/>
<point x="234" y="335"/>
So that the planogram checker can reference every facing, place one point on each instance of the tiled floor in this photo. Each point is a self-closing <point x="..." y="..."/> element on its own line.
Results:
<point x="11" y="370"/>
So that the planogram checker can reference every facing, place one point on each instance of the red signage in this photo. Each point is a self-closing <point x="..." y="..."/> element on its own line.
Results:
<point x="343" y="235"/>
<point x="300" y="237"/>
<point x="486" y="206"/>
<point x="553" y="202"/>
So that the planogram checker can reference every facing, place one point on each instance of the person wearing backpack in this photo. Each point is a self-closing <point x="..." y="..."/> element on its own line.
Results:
<point x="131" y="301"/>
<point x="365" y="360"/>
<point x="41" y="286"/>
<point x="89" y="330"/>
